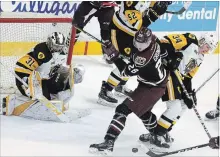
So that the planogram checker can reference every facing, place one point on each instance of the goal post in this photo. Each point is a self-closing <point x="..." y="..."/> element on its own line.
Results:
<point x="19" y="35"/>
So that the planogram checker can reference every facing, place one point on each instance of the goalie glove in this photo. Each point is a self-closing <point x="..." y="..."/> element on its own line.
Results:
<point x="79" y="72"/>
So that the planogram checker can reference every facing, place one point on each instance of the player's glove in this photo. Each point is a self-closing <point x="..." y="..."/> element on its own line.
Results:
<point x="109" y="52"/>
<point x="158" y="9"/>
<point x="172" y="63"/>
<point x="214" y="142"/>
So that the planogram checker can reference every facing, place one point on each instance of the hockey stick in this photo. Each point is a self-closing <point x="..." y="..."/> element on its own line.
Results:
<point x="43" y="100"/>
<point x="90" y="35"/>
<point x="207" y="80"/>
<point x="179" y="77"/>
<point x="184" y="8"/>
<point x="152" y="154"/>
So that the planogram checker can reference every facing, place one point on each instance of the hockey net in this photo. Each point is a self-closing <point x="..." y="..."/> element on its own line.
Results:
<point x="18" y="36"/>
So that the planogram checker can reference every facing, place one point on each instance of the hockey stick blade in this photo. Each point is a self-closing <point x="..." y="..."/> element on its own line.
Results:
<point x="177" y="12"/>
<point x="152" y="154"/>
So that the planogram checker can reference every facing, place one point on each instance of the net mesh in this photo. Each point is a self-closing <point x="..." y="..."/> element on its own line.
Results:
<point x="17" y="37"/>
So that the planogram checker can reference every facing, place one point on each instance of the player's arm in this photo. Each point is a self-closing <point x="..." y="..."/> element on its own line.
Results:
<point x="156" y="9"/>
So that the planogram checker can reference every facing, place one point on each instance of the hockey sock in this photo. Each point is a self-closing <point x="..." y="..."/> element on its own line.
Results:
<point x="118" y="122"/>
<point x="114" y="80"/>
<point x="150" y="121"/>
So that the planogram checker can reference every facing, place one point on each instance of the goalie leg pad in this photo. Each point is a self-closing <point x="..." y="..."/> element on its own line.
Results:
<point x="34" y="89"/>
<point x="16" y="104"/>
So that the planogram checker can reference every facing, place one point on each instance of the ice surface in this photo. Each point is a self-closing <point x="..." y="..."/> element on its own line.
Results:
<point x="25" y="137"/>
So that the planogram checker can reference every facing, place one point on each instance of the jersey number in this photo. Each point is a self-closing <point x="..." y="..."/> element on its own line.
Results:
<point x="30" y="61"/>
<point x="158" y="66"/>
<point x="133" y="16"/>
<point x="177" y="38"/>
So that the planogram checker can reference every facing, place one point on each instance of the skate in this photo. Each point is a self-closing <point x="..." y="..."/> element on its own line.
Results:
<point x="106" y="96"/>
<point x="156" y="143"/>
<point x="3" y="107"/>
<point x="122" y="90"/>
<point x="212" y="115"/>
<point x="104" y="148"/>
<point x="146" y="138"/>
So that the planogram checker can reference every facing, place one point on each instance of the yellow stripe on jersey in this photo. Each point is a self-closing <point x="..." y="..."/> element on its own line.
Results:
<point x="22" y="70"/>
<point x="28" y="62"/>
<point x="114" y="39"/>
<point x="152" y="3"/>
<point x="178" y="41"/>
<point x="21" y="108"/>
<point x="170" y="89"/>
<point x="122" y="27"/>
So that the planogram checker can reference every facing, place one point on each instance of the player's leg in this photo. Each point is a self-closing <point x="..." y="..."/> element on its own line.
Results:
<point x="213" y="114"/>
<point x="170" y="116"/>
<point x="82" y="16"/>
<point x="115" y="78"/>
<point x="115" y="128"/>
<point x="105" y="17"/>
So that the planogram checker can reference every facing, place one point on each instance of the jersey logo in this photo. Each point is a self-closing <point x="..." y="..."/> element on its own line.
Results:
<point x="129" y="3"/>
<point x="127" y="50"/>
<point x="41" y="55"/>
<point x="140" y="61"/>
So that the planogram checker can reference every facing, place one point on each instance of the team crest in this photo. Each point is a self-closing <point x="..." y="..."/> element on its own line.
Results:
<point x="140" y="61"/>
<point x="127" y="50"/>
<point x="41" y="55"/>
<point x="129" y="3"/>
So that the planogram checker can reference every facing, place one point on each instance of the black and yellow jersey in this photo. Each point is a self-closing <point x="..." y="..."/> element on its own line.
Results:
<point x="187" y="44"/>
<point x="129" y="18"/>
<point x="32" y="60"/>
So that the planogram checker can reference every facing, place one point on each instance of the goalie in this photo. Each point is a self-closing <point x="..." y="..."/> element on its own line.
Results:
<point x="46" y="77"/>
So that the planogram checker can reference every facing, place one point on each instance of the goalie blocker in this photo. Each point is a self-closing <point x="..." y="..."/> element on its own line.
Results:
<point x="47" y="77"/>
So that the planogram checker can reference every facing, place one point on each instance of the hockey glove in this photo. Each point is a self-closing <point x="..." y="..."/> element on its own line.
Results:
<point x="172" y="63"/>
<point x="110" y="53"/>
<point x="214" y="142"/>
<point x="158" y="9"/>
<point x="188" y="101"/>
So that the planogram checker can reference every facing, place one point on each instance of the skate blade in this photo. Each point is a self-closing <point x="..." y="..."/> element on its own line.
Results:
<point x="119" y="94"/>
<point x="155" y="149"/>
<point x="106" y="103"/>
<point x="102" y="153"/>
<point x="215" y="119"/>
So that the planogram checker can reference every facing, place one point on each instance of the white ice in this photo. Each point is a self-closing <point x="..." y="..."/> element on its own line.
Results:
<point x="25" y="137"/>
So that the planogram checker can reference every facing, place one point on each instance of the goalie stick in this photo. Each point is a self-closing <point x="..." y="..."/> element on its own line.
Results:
<point x="43" y="100"/>
<point x="179" y="77"/>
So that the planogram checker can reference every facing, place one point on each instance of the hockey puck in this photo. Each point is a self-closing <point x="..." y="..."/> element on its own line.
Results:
<point x="134" y="150"/>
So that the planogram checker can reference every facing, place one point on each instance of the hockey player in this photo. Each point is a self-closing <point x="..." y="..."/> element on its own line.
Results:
<point x="214" y="114"/>
<point x="44" y="71"/>
<point x="146" y="63"/>
<point x="177" y="102"/>
<point x="89" y="9"/>
<point x="125" y="23"/>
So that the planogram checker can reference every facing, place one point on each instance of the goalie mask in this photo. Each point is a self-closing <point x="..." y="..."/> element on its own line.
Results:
<point x="56" y="42"/>
<point x="143" y="38"/>
<point x="207" y="43"/>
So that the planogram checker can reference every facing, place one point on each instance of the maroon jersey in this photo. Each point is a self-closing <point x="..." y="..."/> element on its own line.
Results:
<point x="148" y="64"/>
